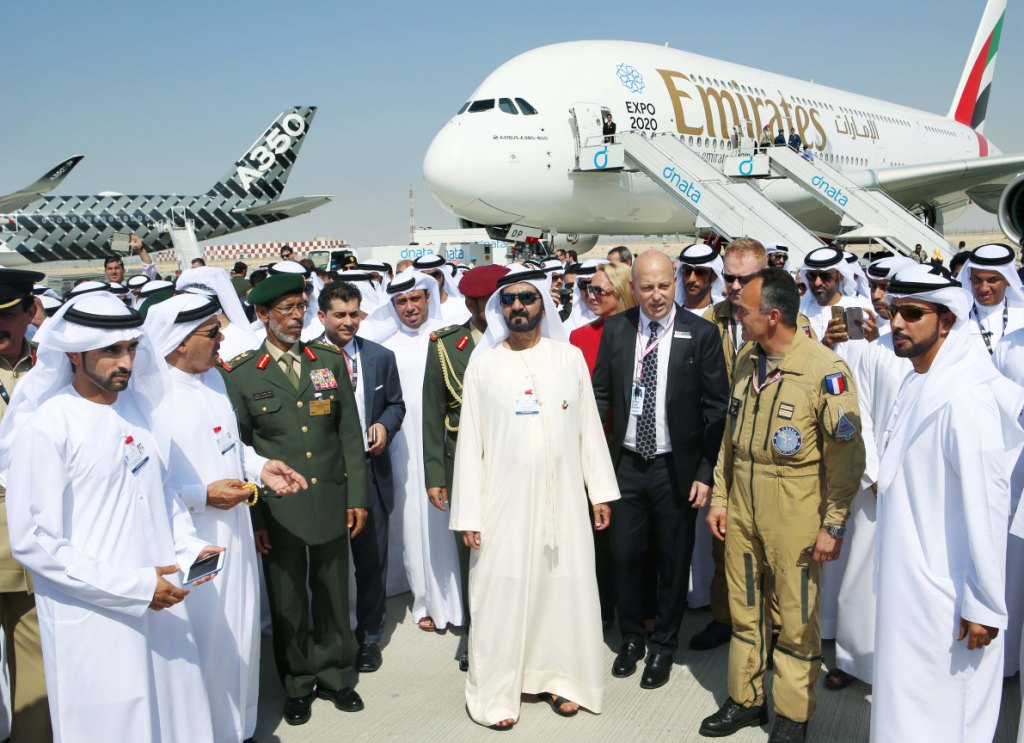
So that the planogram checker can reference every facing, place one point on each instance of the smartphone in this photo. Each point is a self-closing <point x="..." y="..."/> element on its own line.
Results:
<point x="371" y="437"/>
<point x="120" y="243"/>
<point x="838" y="313"/>
<point x="201" y="568"/>
<point x="855" y="323"/>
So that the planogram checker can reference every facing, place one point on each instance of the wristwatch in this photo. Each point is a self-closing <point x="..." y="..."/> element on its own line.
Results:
<point x="836" y="532"/>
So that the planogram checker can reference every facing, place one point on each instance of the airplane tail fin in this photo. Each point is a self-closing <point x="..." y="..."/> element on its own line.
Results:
<point x="259" y="175"/>
<point x="970" y="103"/>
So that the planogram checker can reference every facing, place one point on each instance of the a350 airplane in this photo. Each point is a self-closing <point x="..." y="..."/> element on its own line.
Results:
<point x="509" y="157"/>
<point x="36" y="228"/>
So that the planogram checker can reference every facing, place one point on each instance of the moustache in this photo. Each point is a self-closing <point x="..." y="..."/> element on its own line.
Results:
<point x="898" y="336"/>
<point x="519" y="313"/>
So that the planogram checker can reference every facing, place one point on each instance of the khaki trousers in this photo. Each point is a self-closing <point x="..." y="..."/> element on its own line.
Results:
<point x="31" y="713"/>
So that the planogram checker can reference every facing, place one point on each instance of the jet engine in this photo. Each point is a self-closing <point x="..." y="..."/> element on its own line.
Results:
<point x="1011" y="210"/>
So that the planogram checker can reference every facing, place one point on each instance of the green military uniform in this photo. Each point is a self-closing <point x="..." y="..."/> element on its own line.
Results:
<point x="241" y="285"/>
<point x="447" y="358"/>
<point x="312" y="424"/>
<point x="790" y="463"/>
<point x="30" y="720"/>
<point x="733" y="346"/>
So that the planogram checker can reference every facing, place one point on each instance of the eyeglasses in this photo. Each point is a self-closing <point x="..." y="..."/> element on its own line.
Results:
<point x="525" y="298"/>
<point x="801" y="288"/>
<point x="211" y="333"/>
<point x="732" y="278"/>
<point x="687" y="270"/>
<point x="909" y="312"/>
<point x="827" y="277"/>
<point x="596" y="291"/>
<point x="290" y="309"/>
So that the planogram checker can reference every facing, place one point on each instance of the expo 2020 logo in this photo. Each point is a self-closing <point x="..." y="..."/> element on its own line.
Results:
<point x="630" y="77"/>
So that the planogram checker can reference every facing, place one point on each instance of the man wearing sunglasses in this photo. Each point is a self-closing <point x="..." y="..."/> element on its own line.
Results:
<point x="790" y="463"/>
<point x="944" y="494"/>
<point x="832" y="284"/>
<point x="292" y="406"/>
<point x="699" y="281"/>
<point x="660" y="382"/>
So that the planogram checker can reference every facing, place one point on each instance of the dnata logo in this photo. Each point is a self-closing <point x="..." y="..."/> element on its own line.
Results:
<point x="601" y="158"/>
<point x="747" y="165"/>
<point x="683" y="186"/>
<point x="829" y="190"/>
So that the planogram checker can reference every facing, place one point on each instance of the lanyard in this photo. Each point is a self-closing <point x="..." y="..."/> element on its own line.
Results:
<point x="986" y="334"/>
<point x="761" y="371"/>
<point x="642" y="354"/>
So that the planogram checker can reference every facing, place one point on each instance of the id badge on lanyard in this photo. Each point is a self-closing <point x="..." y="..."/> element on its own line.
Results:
<point x="225" y="442"/>
<point x="637" y="389"/>
<point x="134" y="455"/>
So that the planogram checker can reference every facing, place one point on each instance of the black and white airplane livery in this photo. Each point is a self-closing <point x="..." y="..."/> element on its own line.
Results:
<point x="35" y="228"/>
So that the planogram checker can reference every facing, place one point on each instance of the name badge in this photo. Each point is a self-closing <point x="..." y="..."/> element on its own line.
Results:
<point x="528" y="404"/>
<point x="225" y="442"/>
<point x="320" y="407"/>
<point x="636" y="405"/>
<point x="684" y="334"/>
<point x="134" y="456"/>
<point x="323" y="379"/>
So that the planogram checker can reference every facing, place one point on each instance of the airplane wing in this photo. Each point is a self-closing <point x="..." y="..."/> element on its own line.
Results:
<point x="287" y="207"/>
<point x="979" y="178"/>
<point x="12" y="202"/>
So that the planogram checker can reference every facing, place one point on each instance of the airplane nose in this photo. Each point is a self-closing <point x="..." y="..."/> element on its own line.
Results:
<point x="448" y="170"/>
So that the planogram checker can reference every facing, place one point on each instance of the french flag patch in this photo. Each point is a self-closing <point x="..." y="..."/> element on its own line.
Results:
<point x="835" y="384"/>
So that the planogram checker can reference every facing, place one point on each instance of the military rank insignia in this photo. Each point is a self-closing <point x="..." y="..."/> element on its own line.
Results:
<point x="462" y="343"/>
<point x="786" y="411"/>
<point x="323" y="379"/>
<point x="734" y="407"/>
<point x="835" y="384"/>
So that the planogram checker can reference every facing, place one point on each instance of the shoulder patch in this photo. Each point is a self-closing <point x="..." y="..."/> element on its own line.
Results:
<point x="845" y="429"/>
<point x="836" y="384"/>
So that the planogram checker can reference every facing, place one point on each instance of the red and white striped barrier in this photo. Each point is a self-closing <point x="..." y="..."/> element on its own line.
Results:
<point x="255" y="251"/>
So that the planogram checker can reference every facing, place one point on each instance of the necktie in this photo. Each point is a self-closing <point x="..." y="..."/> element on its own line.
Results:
<point x="288" y="363"/>
<point x="646" y="434"/>
<point x="353" y="370"/>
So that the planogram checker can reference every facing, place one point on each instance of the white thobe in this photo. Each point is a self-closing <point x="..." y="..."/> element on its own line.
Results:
<point x="877" y="374"/>
<point x="418" y="532"/>
<point x="206" y="447"/>
<point x="235" y="342"/>
<point x="536" y="614"/>
<point x="850" y="351"/>
<point x="944" y="496"/>
<point x="91" y="532"/>
<point x="1008" y="357"/>
<point x="454" y="311"/>
<point x="989" y="321"/>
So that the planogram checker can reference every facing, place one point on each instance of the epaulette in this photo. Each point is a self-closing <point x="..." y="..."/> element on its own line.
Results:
<point x="232" y="364"/>
<point x="442" y="332"/>
<point x="324" y="345"/>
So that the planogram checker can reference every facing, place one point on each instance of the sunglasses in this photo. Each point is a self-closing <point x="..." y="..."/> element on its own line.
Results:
<point x="826" y="276"/>
<point x="212" y="333"/>
<point x="525" y="298"/>
<point x="732" y="278"/>
<point x="596" y="291"/>
<point x="801" y="288"/>
<point x="687" y="270"/>
<point x="909" y="312"/>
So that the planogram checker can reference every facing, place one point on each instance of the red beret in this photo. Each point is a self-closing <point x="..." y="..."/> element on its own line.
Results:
<point x="481" y="281"/>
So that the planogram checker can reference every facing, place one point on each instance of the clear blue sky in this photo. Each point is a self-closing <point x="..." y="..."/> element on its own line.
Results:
<point x="162" y="97"/>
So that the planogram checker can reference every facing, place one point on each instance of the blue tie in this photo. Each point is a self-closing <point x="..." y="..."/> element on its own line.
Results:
<point x="646" y="433"/>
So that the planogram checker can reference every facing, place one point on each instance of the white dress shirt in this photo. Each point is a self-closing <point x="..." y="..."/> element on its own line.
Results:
<point x="351" y="350"/>
<point x="667" y="326"/>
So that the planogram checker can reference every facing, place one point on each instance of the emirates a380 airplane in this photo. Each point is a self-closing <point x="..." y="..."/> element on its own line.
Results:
<point x="510" y="155"/>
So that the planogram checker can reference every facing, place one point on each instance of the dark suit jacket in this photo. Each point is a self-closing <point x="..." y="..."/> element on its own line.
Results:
<point x="383" y="403"/>
<point x="696" y="398"/>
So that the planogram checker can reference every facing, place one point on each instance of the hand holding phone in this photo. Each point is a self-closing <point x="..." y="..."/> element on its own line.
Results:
<point x="205" y="567"/>
<point x="855" y="323"/>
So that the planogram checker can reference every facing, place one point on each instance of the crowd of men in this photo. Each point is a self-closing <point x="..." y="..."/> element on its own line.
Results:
<point x="548" y="447"/>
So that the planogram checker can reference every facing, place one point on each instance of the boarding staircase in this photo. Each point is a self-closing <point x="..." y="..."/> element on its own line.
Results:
<point x="183" y="237"/>
<point x="857" y="204"/>
<point x="729" y="207"/>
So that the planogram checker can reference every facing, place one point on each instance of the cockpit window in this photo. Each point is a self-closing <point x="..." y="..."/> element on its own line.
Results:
<point x="506" y="105"/>
<point x="526" y="108"/>
<point x="484" y="105"/>
<point x="464" y="107"/>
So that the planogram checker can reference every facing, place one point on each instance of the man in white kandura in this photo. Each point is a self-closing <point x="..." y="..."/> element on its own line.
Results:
<point x="528" y="408"/>
<point x="90" y="518"/>
<point x="208" y="466"/>
<point x="418" y="532"/>
<point x="948" y="450"/>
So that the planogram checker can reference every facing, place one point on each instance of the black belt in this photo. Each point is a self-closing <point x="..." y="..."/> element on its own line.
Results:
<point x="637" y="455"/>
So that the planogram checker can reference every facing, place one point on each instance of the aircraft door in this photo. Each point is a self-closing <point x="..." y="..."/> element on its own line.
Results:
<point x="179" y="217"/>
<point x="592" y="153"/>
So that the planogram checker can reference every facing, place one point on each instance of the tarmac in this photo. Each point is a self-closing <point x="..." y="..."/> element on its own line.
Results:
<point x="418" y="695"/>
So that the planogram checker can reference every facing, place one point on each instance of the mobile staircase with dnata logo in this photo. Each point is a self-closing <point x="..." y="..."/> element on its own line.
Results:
<point x="730" y="208"/>
<point x="183" y="237"/>
<point x="858" y="204"/>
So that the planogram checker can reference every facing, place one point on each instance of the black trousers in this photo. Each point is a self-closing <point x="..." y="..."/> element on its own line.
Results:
<point x="370" y="559"/>
<point x="654" y="511"/>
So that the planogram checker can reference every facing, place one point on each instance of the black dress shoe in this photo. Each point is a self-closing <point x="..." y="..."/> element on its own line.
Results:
<point x="657" y="670"/>
<point x="464" y="663"/>
<point x="732" y="717"/>
<point x="713" y="636"/>
<point x="347" y="699"/>
<point x="297" y="710"/>
<point x="369" y="658"/>
<point x="786" y="731"/>
<point x="625" y="662"/>
<point x="249" y="740"/>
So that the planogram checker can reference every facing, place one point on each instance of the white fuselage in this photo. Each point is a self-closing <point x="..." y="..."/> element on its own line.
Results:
<point x="501" y="166"/>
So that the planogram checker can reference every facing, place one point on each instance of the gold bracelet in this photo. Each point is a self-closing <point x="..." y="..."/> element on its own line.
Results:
<point x="253" y="499"/>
